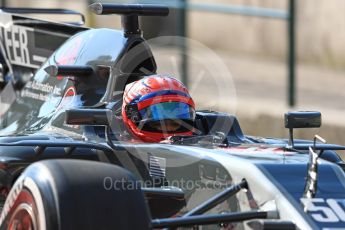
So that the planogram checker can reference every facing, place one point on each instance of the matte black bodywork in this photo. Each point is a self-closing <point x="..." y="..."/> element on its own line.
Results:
<point x="33" y="128"/>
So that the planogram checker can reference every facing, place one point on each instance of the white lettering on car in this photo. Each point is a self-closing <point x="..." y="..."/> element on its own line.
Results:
<point x="325" y="210"/>
<point x="10" y="200"/>
<point x="23" y="37"/>
<point x="16" y="41"/>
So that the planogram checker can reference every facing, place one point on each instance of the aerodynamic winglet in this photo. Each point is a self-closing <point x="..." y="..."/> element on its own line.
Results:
<point x="123" y="9"/>
<point x="130" y="13"/>
<point x="69" y="70"/>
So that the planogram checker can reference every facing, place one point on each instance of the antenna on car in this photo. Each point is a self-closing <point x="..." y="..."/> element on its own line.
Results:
<point x="129" y="13"/>
<point x="312" y="175"/>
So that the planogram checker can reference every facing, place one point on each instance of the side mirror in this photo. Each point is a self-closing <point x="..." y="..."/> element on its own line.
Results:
<point x="95" y="117"/>
<point x="301" y="119"/>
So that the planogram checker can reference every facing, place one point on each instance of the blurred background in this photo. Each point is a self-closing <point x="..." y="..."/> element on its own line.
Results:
<point x="281" y="55"/>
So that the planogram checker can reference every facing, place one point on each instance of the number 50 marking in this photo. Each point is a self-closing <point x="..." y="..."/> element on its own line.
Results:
<point x="325" y="210"/>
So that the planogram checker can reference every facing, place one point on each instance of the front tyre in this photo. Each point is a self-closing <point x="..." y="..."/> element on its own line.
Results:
<point x="70" y="194"/>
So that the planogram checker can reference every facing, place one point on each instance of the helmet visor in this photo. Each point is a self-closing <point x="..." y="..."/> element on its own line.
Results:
<point x="168" y="110"/>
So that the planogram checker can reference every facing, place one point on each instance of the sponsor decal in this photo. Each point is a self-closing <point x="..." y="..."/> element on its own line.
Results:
<point x="67" y="101"/>
<point x="17" y="45"/>
<point x="325" y="210"/>
<point x="40" y="91"/>
<point x="68" y="98"/>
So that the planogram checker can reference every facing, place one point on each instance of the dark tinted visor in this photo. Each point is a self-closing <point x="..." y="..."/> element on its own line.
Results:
<point x="168" y="110"/>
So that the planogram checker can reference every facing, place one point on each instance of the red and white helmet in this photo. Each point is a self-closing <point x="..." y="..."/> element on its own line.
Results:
<point x="157" y="100"/>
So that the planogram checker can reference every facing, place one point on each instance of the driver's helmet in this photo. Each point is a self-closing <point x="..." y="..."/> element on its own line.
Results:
<point x="157" y="107"/>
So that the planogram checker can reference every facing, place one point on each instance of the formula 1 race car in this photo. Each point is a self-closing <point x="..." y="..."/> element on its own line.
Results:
<point x="63" y="164"/>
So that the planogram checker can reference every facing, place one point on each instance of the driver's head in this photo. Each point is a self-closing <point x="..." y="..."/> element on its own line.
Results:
<point x="157" y="107"/>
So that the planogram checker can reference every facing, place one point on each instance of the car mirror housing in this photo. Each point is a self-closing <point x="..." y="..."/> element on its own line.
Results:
<point x="94" y="117"/>
<point x="302" y="119"/>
